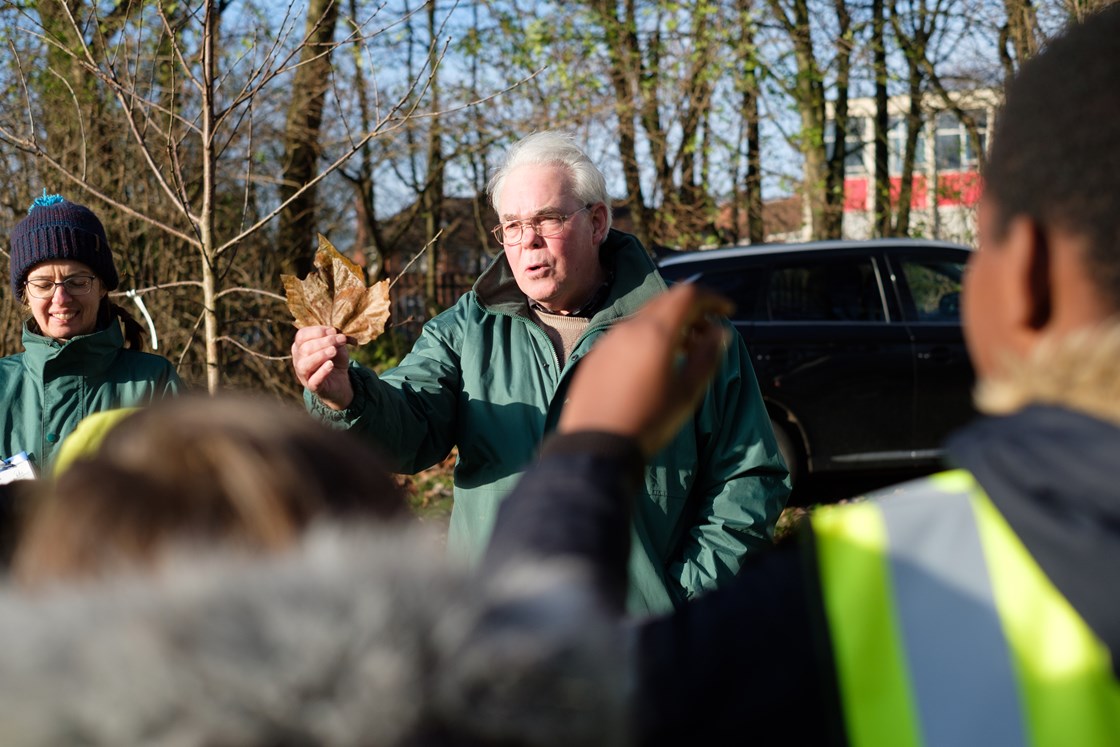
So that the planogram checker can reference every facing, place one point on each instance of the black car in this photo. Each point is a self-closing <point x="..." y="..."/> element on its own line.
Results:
<point x="857" y="345"/>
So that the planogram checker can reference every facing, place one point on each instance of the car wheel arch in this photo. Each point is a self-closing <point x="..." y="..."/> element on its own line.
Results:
<point x="791" y="442"/>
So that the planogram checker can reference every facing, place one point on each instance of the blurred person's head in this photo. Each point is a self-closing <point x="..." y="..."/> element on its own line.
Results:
<point x="186" y="593"/>
<point x="1048" y="262"/>
<point x="234" y="471"/>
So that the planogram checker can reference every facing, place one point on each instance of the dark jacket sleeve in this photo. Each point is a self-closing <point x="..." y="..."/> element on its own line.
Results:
<point x="752" y="658"/>
<point x="574" y="502"/>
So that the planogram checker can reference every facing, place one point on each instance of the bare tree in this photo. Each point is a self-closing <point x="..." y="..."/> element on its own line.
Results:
<point x="194" y="141"/>
<point x="745" y="208"/>
<point x="823" y="166"/>
<point x="1020" y="36"/>
<point x="634" y="97"/>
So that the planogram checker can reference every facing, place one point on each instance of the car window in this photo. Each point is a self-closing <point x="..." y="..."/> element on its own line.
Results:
<point x="739" y="283"/>
<point x="824" y="290"/>
<point x="935" y="286"/>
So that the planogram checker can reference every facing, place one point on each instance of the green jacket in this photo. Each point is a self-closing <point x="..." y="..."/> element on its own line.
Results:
<point x="52" y="385"/>
<point x="484" y="377"/>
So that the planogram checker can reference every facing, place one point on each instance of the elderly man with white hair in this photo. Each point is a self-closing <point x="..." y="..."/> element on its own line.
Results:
<point x="489" y="376"/>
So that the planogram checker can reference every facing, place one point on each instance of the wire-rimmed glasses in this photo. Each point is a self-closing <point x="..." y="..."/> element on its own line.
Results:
<point x="546" y="225"/>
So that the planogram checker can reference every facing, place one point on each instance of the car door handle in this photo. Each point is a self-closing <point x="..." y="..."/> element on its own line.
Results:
<point x="778" y="355"/>
<point x="939" y="354"/>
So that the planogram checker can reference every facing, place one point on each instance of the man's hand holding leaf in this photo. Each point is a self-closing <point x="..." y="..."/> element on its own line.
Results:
<point x="333" y="306"/>
<point x="335" y="295"/>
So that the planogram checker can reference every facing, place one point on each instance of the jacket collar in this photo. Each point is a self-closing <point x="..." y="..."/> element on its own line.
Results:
<point x="94" y="352"/>
<point x="1077" y="372"/>
<point x="635" y="281"/>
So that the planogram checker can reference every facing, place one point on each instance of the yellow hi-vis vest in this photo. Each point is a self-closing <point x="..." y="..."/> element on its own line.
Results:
<point x="946" y="633"/>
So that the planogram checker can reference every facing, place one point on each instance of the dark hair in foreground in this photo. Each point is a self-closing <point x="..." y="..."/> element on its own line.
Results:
<point x="1054" y="154"/>
<point x="236" y="471"/>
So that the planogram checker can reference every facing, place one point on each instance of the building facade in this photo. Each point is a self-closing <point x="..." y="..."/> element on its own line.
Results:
<point x="946" y="174"/>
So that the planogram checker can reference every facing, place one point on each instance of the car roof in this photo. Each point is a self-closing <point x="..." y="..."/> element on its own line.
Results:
<point x="754" y="250"/>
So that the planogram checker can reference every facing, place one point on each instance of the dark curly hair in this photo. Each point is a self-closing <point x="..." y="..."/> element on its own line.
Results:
<point x="1055" y="153"/>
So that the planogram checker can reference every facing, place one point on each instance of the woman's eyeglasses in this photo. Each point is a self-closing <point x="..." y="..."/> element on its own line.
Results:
<point x="75" y="285"/>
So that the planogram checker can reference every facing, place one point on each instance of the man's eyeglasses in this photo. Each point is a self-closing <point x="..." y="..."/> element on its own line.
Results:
<point x="547" y="226"/>
<point x="75" y="285"/>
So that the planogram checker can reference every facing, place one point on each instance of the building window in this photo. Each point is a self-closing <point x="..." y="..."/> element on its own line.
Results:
<point x="853" y="144"/>
<point x="971" y="157"/>
<point x="953" y="148"/>
<point x="896" y="140"/>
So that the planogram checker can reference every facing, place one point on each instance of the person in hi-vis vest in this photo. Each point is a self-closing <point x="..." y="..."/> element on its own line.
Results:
<point x="977" y="606"/>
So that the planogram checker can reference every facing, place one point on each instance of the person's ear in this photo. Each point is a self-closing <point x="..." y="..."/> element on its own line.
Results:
<point x="599" y="222"/>
<point x="1030" y="281"/>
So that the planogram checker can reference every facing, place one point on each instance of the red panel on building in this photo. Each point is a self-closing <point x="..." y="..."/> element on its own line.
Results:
<point x="855" y="195"/>
<point x="918" y="192"/>
<point x="958" y="188"/>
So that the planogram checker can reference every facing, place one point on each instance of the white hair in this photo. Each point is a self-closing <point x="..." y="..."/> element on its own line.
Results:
<point x="554" y="147"/>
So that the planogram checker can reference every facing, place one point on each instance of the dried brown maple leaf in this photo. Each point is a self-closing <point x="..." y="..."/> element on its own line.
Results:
<point x="335" y="295"/>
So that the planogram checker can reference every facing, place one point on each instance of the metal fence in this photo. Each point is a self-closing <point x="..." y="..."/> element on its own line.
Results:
<point x="409" y="311"/>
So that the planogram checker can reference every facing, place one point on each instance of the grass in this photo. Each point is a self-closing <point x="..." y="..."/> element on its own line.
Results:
<point x="789" y="520"/>
<point x="430" y="496"/>
<point x="430" y="492"/>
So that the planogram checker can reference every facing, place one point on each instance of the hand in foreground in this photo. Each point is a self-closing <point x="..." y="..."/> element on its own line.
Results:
<point x="646" y="376"/>
<point x="321" y="361"/>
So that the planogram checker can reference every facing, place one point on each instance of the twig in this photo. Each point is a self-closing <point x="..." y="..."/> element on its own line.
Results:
<point x="433" y="240"/>
<point x="254" y="353"/>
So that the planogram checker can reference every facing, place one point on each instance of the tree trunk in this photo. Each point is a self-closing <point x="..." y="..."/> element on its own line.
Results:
<point x="691" y="205"/>
<point x="808" y="95"/>
<point x="1020" y="36"/>
<point x="624" y="82"/>
<point x="432" y="197"/>
<point x="882" y="195"/>
<point x="301" y="138"/>
<point x="206" y="214"/>
<point x="833" y="218"/>
<point x="749" y="112"/>
<point x="914" y="46"/>
<point x="914" y="123"/>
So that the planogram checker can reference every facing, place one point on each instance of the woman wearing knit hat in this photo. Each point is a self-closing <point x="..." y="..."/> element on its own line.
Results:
<point x="76" y="359"/>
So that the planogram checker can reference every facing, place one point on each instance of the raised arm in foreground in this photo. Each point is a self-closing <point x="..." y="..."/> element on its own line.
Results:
<point x="629" y="398"/>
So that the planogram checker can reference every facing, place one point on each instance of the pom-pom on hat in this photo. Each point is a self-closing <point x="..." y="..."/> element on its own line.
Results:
<point x="56" y="228"/>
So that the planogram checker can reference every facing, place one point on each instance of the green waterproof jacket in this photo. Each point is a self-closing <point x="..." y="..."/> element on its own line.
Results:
<point x="484" y="377"/>
<point x="53" y="384"/>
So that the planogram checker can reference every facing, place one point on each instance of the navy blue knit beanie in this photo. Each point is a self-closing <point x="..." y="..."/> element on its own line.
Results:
<point x="59" y="229"/>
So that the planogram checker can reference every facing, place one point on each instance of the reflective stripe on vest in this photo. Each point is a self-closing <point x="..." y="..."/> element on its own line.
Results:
<point x="946" y="632"/>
